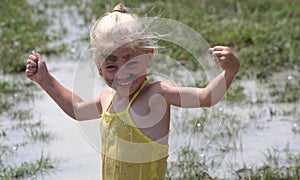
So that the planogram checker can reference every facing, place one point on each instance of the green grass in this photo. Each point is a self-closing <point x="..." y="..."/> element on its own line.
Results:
<point x="236" y="93"/>
<point x="27" y="169"/>
<point x="272" y="168"/>
<point x="22" y="29"/>
<point x="267" y="173"/>
<point x="288" y="93"/>
<point x="188" y="166"/>
<point x="265" y="34"/>
<point x="11" y="93"/>
<point x="6" y="89"/>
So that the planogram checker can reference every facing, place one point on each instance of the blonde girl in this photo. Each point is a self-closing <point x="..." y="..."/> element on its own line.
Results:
<point x="135" y="114"/>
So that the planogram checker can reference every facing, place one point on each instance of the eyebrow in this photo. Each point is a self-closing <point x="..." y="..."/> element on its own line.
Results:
<point x="111" y="58"/>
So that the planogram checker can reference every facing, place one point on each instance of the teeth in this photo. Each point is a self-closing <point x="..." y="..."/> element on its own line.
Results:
<point x="124" y="83"/>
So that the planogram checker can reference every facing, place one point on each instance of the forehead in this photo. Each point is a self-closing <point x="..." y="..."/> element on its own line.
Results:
<point x="124" y="49"/>
<point x="134" y="49"/>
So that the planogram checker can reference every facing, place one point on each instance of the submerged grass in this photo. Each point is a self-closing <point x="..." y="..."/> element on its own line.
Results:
<point x="267" y="173"/>
<point x="289" y="93"/>
<point x="27" y="170"/>
<point x="12" y="94"/>
<point x="273" y="168"/>
<point x="189" y="165"/>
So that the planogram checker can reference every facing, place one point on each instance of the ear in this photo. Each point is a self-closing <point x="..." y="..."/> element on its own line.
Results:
<point x="100" y="72"/>
<point x="150" y="60"/>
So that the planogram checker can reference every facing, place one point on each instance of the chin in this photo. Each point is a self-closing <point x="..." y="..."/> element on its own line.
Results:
<point x="128" y="89"/>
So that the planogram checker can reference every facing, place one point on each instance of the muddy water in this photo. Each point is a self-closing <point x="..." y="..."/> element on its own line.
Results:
<point x="76" y="145"/>
<point x="77" y="159"/>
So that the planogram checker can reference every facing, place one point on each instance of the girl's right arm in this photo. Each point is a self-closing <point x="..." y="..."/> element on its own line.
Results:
<point x="69" y="102"/>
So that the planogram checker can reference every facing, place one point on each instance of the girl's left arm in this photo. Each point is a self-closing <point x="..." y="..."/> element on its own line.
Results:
<point x="188" y="97"/>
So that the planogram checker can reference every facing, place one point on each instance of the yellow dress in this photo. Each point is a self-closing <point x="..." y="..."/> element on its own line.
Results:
<point x="127" y="153"/>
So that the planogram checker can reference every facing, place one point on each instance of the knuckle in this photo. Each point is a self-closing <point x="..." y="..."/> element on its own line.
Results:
<point x="227" y="53"/>
<point x="227" y="48"/>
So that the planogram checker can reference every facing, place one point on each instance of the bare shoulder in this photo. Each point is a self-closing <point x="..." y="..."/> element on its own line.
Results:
<point x="105" y="96"/>
<point x="161" y="87"/>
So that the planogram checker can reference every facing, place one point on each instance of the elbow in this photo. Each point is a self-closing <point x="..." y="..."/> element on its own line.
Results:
<point x="73" y="116"/>
<point x="209" y="99"/>
<point x="75" y="113"/>
<point x="212" y="104"/>
<point x="209" y="103"/>
<point x="206" y="104"/>
<point x="77" y="117"/>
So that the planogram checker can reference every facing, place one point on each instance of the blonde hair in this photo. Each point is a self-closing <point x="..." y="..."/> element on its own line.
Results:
<point x="117" y="28"/>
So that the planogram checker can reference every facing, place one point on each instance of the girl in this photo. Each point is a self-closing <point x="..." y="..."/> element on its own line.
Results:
<point x="135" y="114"/>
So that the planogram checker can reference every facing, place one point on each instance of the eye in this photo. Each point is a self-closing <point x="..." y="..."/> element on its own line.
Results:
<point x="127" y="56"/>
<point x="131" y="63"/>
<point x="111" y="58"/>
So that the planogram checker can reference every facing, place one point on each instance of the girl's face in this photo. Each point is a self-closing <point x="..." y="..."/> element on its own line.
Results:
<point x="125" y="68"/>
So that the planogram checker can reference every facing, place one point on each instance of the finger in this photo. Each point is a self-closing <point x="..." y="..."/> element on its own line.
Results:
<point x="37" y="55"/>
<point x="220" y="53"/>
<point x="31" y="63"/>
<point x="31" y="68"/>
<point x="33" y="57"/>
<point x="40" y="61"/>
<point x="29" y="73"/>
<point x="222" y="58"/>
<point x="216" y="60"/>
<point x="221" y="48"/>
<point x="33" y="52"/>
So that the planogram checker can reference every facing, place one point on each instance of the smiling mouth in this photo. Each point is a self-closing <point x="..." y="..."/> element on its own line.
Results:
<point x="126" y="83"/>
<point x="121" y="82"/>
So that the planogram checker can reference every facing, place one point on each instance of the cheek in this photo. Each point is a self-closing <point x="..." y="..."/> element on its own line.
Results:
<point x="107" y="74"/>
<point x="143" y="66"/>
<point x="139" y="69"/>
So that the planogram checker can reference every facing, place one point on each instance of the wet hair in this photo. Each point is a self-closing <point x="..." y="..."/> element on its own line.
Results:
<point x="117" y="28"/>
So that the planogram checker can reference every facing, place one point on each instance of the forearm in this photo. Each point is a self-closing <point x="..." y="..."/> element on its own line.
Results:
<point x="217" y="88"/>
<point x="69" y="102"/>
<point x="64" y="98"/>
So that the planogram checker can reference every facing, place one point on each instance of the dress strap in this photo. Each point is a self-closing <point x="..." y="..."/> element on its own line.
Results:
<point x="110" y="103"/>
<point x="136" y="94"/>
